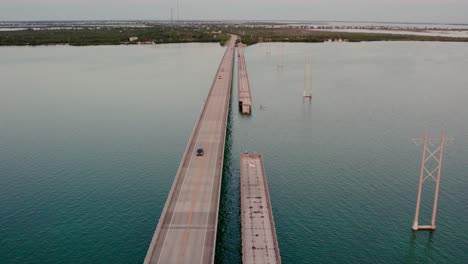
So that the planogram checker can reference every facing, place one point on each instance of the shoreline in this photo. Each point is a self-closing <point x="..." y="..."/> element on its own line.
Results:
<point x="177" y="34"/>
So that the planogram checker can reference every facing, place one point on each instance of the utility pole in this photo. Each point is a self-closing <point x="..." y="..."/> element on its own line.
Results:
<point x="178" y="11"/>
<point x="431" y="163"/>
<point x="172" y="15"/>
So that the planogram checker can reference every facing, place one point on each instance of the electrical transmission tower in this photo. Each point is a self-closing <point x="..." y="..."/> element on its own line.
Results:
<point x="431" y="166"/>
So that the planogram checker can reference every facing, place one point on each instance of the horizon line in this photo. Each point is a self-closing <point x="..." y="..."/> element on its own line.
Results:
<point x="235" y="20"/>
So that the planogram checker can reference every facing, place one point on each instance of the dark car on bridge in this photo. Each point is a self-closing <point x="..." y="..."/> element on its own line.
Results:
<point x="200" y="151"/>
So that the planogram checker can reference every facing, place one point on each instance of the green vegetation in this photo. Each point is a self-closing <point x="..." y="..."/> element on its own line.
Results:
<point x="110" y="36"/>
<point x="193" y="33"/>
<point x="251" y="36"/>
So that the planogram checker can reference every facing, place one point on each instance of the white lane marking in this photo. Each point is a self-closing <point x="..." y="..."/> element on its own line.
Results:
<point x="211" y="189"/>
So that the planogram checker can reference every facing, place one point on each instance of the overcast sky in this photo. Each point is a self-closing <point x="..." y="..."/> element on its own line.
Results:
<point x="445" y="11"/>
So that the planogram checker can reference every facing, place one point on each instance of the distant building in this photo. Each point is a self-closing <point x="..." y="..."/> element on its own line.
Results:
<point x="131" y="39"/>
<point x="148" y="42"/>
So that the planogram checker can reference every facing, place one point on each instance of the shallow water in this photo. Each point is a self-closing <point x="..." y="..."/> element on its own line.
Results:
<point x="91" y="139"/>
<point x="436" y="33"/>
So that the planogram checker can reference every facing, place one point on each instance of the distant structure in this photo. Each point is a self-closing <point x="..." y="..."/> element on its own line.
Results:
<point x="307" y="94"/>
<point x="431" y="163"/>
<point x="146" y="42"/>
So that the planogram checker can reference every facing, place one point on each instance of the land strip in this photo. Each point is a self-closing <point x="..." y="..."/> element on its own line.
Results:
<point x="183" y="33"/>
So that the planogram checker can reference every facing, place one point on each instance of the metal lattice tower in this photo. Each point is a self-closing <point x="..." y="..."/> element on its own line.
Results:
<point x="431" y="163"/>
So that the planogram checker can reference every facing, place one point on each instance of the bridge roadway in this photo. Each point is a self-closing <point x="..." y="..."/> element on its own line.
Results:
<point x="245" y="99"/>
<point x="186" y="232"/>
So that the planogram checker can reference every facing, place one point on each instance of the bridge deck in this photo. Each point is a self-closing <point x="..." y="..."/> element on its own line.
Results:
<point x="245" y="100"/>
<point x="186" y="231"/>
<point x="259" y="242"/>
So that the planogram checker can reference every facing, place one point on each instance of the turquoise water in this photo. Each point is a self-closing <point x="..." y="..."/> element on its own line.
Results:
<point x="91" y="139"/>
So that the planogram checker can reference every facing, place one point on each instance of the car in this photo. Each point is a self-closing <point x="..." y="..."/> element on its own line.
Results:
<point x="200" y="151"/>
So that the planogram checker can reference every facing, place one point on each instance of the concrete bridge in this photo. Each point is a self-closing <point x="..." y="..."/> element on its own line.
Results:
<point x="186" y="232"/>
<point x="245" y="99"/>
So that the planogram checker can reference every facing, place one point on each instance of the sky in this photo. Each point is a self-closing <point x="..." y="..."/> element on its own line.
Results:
<point x="423" y="11"/>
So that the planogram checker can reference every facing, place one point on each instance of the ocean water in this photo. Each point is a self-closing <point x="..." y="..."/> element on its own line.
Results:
<point x="91" y="138"/>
